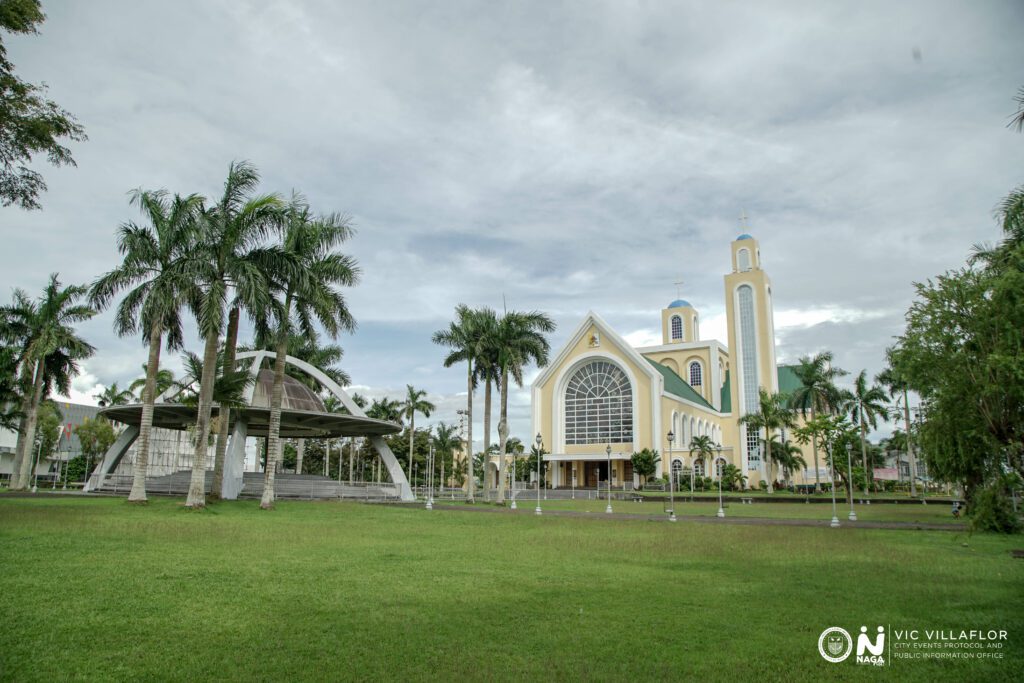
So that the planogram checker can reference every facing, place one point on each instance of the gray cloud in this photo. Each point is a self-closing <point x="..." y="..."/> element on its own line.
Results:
<point x="566" y="157"/>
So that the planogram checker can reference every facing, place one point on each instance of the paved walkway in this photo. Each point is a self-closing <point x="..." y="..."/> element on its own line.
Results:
<point x="743" y="521"/>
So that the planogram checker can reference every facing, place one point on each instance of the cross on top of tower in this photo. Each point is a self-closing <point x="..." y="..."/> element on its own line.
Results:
<point x="679" y="287"/>
<point x="743" y="219"/>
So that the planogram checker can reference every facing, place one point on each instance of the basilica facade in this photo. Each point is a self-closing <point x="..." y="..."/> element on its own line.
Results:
<point x="599" y="391"/>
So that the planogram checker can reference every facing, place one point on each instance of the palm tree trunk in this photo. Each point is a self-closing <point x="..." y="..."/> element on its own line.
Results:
<point x="487" y="436"/>
<point x="817" y="468"/>
<point x="197" y="485"/>
<point x="138" y="492"/>
<point x="910" y="448"/>
<point x="412" y="438"/>
<point x="222" y="433"/>
<point x="864" y="454"/>
<point x="276" y="395"/>
<point x="351" y="457"/>
<point x="470" y="484"/>
<point x="31" y="418"/>
<point x="26" y="406"/>
<point x="502" y="434"/>
<point x="300" y="453"/>
<point x="768" y="459"/>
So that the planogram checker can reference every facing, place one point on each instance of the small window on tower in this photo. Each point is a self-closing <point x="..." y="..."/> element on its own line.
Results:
<point x="677" y="327"/>
<point x="743" y="259"/>
<point x="695" y="374"/>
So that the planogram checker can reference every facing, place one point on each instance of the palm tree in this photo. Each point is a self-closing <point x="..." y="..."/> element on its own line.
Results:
<point x="788" y="456"/>
<point x="865" y="405"/>
<point x="897" y="387"/>
<point x="772" y="414"/>
<point x="486" y="370"/>
<point x="704" y="448"/>
<point x="386" y="409"/>
<point x="308" y="292"/>
<point x="50" y="349"/>
<point x="446" y="440"/>
<point x="153" y="270"/>
<point x="164" y="380"/>
<point x="519" y="341"/>
<point x="114" y="396"/>
<point x="816" y="394"/>
<point x="464" y="338"/>
<point x="230" y="258"/>
<point x="415" y="402"/>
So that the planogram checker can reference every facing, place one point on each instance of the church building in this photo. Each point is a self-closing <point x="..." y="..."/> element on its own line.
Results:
<point x="600" y="391"/>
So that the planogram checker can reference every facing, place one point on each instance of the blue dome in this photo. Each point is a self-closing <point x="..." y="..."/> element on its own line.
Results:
<point x="744" y="236"/>
<point x="679" y="303"/>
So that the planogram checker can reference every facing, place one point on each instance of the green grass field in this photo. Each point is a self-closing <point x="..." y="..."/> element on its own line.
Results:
<point x="97" y="589"/>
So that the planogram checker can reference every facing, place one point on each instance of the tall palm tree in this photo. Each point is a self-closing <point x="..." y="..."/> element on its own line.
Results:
<point x="865" y="405"/>
<point x="114" y="396"/>
<point x="415" y="402"/>
<point x="386" y="409"/>
<point x="237" y="214"/>
<point x="49" y="344"/>
<point x="446" y="440"/>
<point x="519" y="341"/>
<point x="153" y="270"/>
<point x="486" y="370"/>
<point x="816" y="394"/>
<point x="788" y="456"/>
<point x="231" y="258"/>
<point x="704" y="448"/>
<point x="464" y="337"/>
<point x="772" y="414"/>
<point x="307" y="291"/>
<point x="897" y="387"/>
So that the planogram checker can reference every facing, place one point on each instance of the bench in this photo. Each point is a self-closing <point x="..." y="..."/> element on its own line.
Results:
<point x="747" y="501"/>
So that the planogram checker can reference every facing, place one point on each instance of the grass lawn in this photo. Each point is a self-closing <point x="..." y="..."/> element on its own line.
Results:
<point x="94" y="588"/>
<point x="876" y="512"/>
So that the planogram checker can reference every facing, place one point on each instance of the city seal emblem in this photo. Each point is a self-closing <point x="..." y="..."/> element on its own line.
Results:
<point x="835" y="644"/>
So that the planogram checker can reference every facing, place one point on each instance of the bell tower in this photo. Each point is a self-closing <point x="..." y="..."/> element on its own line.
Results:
<point x="679" y="323"/>
<point x="749" y="314"/>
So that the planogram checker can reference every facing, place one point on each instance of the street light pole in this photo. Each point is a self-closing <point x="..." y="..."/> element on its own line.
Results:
<point x="35" y="468"/>
<point x="832" y="465"/>
<point x="540" y="442"/>
<point x="513" y="506"/>
<point x="849" y="476"/>
<point x="721" y="509"/>
<point x="430" y="478"/>
<point x="671" y="479"/>
<point x="608" y="452"/>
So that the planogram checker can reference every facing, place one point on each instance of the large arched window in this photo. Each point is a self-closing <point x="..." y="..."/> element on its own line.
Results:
<point x="677" y="470"/>
<point x="696" y="378"/>
<point x="598" y="405"/>
<point x="698" y="467"/>
<point x="677" y="327"/>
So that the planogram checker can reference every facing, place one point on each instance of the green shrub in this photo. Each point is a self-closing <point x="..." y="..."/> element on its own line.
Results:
<point x="992" y="510"/>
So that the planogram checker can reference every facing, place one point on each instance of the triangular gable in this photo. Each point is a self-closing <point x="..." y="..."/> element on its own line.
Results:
<point x="607" y="334"/>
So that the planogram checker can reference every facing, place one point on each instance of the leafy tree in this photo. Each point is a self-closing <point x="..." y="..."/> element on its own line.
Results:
<point x="11" y="393"/>
<point x="898" y="390"/>
<point x="645" y="463"/>
<point x="772" y="414"/>
<point x="308" y="291"/>
<point x="464" y="336"/>
<point x="30" y="124"/>
<point x="817" y="394"/>
<point x="96" y="436"/>
<point x="415" y="402"/>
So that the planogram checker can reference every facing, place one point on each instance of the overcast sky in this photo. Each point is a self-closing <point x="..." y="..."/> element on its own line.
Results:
<point x="564" y="156"/>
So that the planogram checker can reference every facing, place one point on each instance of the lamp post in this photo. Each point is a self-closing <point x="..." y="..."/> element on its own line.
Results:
<point x="832" y="470"/>
<point x="608" y="452"/>
<point x="721" y="509"/>
<point x="539" y="441"/>
<point x="849" y="470"/>
<point x="671" y="479"/>
<point x="430" y="478"/>
<point x="35" y="467"/>
<point x="691" y="475"/>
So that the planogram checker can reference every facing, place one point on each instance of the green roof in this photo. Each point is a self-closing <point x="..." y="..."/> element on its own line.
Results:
<point x="674" y="384"/>
<point x="727" y="394"/>
<point x="788" y="380"/>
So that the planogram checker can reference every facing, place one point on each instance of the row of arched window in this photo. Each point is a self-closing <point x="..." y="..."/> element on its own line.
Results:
<point x="698" y="467"/>
<point x="686" y="427"/>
